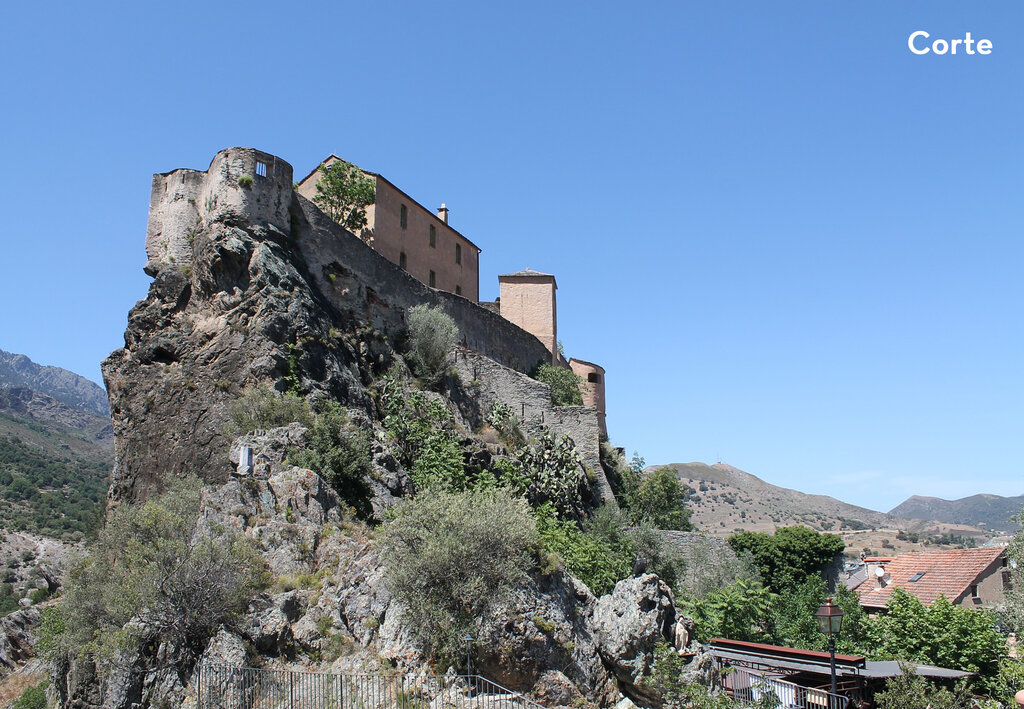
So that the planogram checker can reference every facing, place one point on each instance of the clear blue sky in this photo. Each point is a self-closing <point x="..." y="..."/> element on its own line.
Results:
<point x="794" y="245"/>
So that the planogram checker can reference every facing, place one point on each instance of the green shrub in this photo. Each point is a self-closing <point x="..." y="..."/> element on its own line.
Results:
<point x="150" y="577"/>
<point x="432" y="338"/>
<point x="507" y="425"/>
<point x="245" y="181"/>
<point x="32" y="698"/>
<point x="912" y="691"/>
<point x="340" y="453"/>
<point x="423" y="433"/>
<point x="658" y="499"/>
<point x="453" y="557"/>
<point x="595" y="561"/>
<point x="549" y="471"/>
<point x="261" y="407"/>
<point x="39" y="595"/>
<point x="565" y="384"/>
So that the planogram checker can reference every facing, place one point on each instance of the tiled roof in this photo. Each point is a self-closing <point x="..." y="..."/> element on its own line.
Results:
<point x="942" y="573"/>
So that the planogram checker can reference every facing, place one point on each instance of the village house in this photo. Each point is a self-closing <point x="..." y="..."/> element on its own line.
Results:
<point x="974" y="578"/>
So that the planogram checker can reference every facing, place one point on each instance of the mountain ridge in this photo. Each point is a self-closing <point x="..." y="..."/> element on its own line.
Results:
<point x="61" y="384"/>
<point x="982" y="510"/>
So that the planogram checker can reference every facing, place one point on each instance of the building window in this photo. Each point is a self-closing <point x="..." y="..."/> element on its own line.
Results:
<point x="916" y="577"/>
<point x="401" y="261"/>
<point x="403" y="216"/>
<point x="974" y="590"/>
<point x="594" y="378"/>
<point x="458" y="290"/>
<point x="433" y="279"/>
<point x="433" y="237"/>
<point x="261" y="168"/>
<point x="458" y="253"/>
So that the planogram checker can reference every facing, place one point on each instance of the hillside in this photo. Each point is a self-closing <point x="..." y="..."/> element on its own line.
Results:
<point x="64" y="386"/>
<point x="991" y="512"/>
<point x="727" y="500"/>
<point x="55" y="461"/>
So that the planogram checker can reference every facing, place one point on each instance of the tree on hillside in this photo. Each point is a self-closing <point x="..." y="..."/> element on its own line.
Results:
<point x="344" y="192"/>
<point x="658" y="499"/>
<point x="790" y="556"/>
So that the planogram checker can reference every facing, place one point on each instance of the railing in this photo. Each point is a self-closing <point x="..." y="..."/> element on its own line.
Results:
<point x="749" y="687"/>
<point x="222" y="687"/>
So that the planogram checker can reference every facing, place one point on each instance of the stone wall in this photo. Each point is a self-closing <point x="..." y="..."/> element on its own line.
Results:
<point x="241" y="185"/>
<point x="353" y="276"/>
<point x="530" y="401"/>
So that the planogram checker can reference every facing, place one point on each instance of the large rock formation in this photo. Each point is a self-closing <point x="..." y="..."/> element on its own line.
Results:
<point x="253" y="285"/>
<point x="630" y="622"/>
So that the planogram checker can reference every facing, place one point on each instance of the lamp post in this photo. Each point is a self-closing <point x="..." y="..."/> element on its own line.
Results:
<point x="830" y="620"/>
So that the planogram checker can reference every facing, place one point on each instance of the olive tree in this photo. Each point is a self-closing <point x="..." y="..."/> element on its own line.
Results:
<point x="453" y="557"/>
<point x="152" y="577"/>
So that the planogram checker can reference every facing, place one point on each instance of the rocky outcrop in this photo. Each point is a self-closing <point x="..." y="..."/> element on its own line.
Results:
<point x="630" y="622"/>
<point x="254" y="284"/>
<point x="17" y="636"/>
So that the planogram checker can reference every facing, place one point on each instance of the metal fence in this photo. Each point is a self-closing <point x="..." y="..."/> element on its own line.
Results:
<point x="749" y="687"/>
<point x="222" y="687"/>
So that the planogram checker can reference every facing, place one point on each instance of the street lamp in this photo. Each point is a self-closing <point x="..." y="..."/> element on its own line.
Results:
<point x="830" y="620"/>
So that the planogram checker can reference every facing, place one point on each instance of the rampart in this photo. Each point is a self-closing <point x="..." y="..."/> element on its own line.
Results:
<point x="530" y="402"/>
<point x="254" y="189"/>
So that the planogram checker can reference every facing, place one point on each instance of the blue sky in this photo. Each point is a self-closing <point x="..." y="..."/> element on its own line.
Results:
<point x="794" y="245"/>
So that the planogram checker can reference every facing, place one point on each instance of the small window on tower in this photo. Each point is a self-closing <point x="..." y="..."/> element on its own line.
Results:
<point x="403" y="216"/>
<point x="433" y="279"/>
<point x="261" y="168"/>
<point x="433" y="237"/>
<point x="458" y="290"/>
<point x="594" y="378"/>
<point x="401" y="260"/>
<point x="458" y="253"/>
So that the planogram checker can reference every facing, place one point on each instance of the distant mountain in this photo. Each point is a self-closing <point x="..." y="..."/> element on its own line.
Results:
<point x="55" y="456"/>
<point x="989" y="511"/>
<point x="726" y="499"/>
<point x="64" y="386"/>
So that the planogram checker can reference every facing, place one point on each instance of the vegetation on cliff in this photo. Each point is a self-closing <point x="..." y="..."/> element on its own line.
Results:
<point x="151" y="578"/>
<point x="453" y="558"/>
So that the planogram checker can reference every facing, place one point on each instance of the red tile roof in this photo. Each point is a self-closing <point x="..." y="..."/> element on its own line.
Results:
<point x="944" y="573"/>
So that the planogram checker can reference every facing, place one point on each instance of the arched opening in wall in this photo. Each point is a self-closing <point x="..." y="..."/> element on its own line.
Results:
<point x="401" y="260"/>
<point x="594" y="378"/>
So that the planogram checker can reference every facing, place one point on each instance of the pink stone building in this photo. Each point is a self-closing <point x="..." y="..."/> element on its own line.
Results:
<point x="419" y="240"/>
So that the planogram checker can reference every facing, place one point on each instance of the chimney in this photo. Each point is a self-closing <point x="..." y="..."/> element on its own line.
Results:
<point x="442" y="213"/>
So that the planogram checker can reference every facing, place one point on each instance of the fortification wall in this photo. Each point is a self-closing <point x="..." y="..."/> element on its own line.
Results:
<point x="352" y="275"/>
<point x="530" y="401"/>
<point x="248" y="187"/>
